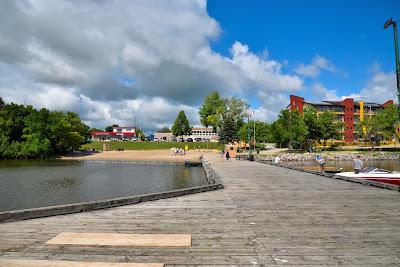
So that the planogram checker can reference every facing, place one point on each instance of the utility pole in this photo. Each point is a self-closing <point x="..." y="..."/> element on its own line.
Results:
<point x="396" y="51"/>
<point x="254" y="133"/>
<point x="248" y="132"/>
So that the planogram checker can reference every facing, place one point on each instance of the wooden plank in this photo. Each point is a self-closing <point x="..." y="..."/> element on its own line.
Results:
<point x="113" y="239"/>
<point x="46" y="263"/>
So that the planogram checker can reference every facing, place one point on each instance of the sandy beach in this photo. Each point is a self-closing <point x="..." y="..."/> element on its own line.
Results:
<point x="139" y="155"/>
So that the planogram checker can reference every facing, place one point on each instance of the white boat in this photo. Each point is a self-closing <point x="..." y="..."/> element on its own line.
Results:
<point x="374" y="174"/>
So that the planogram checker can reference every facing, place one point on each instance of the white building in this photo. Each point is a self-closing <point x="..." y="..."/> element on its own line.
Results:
<point x="202" y="134"/>
<point x="164" y="137"/>
<point x="122" y="129"/>
<point x="197" y="135"/>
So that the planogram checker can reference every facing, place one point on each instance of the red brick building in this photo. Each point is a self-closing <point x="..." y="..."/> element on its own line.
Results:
<point x="348" y="111"/>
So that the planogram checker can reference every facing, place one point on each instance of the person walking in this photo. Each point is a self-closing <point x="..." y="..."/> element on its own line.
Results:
<point x="227" y="155"/>
<point x="358" y="164"/>
<point x="321" y="162"/>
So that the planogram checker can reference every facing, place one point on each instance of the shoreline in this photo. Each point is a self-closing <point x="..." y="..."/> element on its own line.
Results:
<point x="332" y="156"/>
<point x="138" y="155"/>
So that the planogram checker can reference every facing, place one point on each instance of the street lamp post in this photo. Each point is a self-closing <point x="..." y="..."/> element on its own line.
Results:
<point x="396" y="51"/>
<point x="248" y="132"/>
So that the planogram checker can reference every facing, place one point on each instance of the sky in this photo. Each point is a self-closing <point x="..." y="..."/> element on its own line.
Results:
<point x="114" y="62"/>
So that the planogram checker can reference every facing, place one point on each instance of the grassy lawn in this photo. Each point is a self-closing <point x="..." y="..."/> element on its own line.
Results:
<point x="149" y="145"/>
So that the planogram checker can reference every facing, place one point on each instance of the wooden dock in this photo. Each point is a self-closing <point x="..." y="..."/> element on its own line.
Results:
<point x="266" y="215"/>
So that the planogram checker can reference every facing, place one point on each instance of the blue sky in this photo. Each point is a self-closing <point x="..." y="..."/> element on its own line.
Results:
<point x="347" y="33"/>
<point x="113" y="62"/>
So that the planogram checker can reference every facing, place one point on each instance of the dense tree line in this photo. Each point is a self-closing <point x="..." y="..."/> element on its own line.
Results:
<point x="291" y="129"/>
<point x="26" y="132"/>
<point x="382" y="123"/>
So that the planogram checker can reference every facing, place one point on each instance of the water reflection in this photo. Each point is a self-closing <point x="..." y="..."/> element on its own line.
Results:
<point x="61" y="183"/>
<point x="37" y="183"/>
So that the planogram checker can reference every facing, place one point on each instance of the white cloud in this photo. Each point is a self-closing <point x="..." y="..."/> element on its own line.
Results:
<point x="380" y="87"/>
<point x="320" y="92"/>
<point x="111" y="61"/>
<point x="266" y="74"/>
<point x="318" y="63"/>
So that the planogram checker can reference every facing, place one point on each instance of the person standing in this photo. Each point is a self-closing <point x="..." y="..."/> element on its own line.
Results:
<point x="321" y="162"/>
<point x="358" y="164"/>
<point x="227" y="155"/>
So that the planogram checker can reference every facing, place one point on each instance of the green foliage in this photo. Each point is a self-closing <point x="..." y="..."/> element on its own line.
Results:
<point x="215" y="110"/>
<point x="329" y="126"/>
<point x="228" y="130"/>
<point x="211" y="110"/>
<point x="382" y="123"/>
<point x="181" y="125"/>
<point x="314" y="127"/>
<point x="290" y="130"/>
<point x="110" y="127"/>
<point x="164" y="130"/>
<point x="140" y="134"/>
<point x="150" y="145"/>
<point x="96" y="130"/>
<point x="385" y="120"/>
<point x="29" y="133"/>
<point x="263" y="131"/>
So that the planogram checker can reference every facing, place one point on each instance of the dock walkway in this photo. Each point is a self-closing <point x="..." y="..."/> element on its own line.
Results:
<point x="266" y="215"/>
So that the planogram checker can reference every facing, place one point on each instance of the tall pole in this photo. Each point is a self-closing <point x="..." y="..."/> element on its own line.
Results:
<point x="254" y="139"/>
<point x="396" y="51"/>
<point x="248" y="132"/>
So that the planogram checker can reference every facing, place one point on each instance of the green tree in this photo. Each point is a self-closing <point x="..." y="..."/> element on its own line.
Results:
<point x="211" y="110"/>
<point x="29" y="133"/>
<point x="140" y="134"/>
<point x="181" y="125"/>
<point x="229" y="130"/>
<point x="382" y="123"/>
<point x="313" y="125"/>
<point x="2" y="103"/>
<point x="263" y="131"/>
<point x="329" y="126"/>
<point x="110" y="127"/>
<point x="164" y="130"/>
<point x="96" y="130"/>
<point x="289" y="130"/>
<point x="235" y="108"/>
<point x="386" y="119"/>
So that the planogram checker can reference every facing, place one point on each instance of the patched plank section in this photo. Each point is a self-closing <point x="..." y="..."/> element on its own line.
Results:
<point x="114" y="239"/>
<point x="46" y="263"/>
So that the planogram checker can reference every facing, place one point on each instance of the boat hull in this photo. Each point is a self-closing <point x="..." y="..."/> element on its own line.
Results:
<point x="390" y="178"/>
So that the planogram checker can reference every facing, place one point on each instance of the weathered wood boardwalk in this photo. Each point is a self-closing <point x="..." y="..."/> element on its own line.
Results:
<point x="266" y="215"/>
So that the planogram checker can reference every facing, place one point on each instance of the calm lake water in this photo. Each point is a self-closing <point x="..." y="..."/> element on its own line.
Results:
<point x="391" y="165"/>
<point x="40" y="183"/>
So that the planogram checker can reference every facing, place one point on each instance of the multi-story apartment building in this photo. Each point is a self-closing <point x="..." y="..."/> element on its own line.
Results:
<point x="348" y="111"/>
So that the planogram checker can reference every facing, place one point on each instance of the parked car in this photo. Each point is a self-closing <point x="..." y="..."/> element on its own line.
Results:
<point x="198" y="139"/>
<point x="189" y="140"/>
